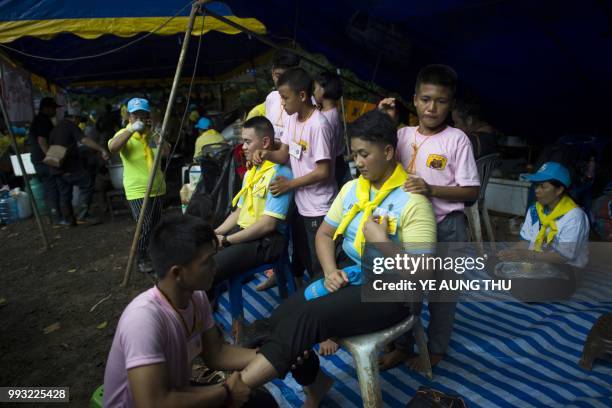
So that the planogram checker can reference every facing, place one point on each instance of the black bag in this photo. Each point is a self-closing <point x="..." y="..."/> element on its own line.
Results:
<point x="430" y="398"/>
<point x="213" y="195"/>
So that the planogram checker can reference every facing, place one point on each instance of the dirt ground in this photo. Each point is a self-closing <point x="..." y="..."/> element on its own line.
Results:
<point x="60" y="286"/>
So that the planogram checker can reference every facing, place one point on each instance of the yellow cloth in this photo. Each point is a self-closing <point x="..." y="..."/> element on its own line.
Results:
<point x="366" y="206"/>
<point x="143" y="139"/>
<point x="548" y="222"/>
<point x="259" y="110"/>
<point x="250" y="179"/>
<point x="210" y="136"/>
<point x="136" y="169"/>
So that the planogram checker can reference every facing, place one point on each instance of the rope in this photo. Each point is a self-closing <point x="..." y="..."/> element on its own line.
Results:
<point x="85" y="57"/>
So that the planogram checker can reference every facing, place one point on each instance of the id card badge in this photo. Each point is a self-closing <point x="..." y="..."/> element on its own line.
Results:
<point x="278" y="132"/>
<point x="391" y="222"/>
<point x="295" y="150"/>
<point x="194" y="346"/>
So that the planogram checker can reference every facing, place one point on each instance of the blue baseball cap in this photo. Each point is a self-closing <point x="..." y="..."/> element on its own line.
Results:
<point x="551" y="171"/>
<point x="203" y="123"/>
<point x="138" y="104"/>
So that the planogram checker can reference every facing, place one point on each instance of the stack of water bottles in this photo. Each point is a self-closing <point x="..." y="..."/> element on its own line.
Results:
<point x="9" y="212"/>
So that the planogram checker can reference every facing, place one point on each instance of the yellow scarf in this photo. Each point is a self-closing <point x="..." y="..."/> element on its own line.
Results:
<point x="366" y="206"/>
<point x="148" y="152"/>
<point x="251" y="178"/>
<point x="565" y="205"/>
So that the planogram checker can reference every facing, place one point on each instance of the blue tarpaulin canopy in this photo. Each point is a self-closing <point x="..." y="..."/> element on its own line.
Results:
<point x="541" y="68"/>
<point x="67" y="29"/>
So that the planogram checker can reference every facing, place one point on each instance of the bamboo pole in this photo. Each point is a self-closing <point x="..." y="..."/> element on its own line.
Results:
<point x="157" y="160"/>
<point x="25" y="176"/>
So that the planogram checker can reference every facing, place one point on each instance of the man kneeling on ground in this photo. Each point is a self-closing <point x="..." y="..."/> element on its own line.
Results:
<point x="163" y="329"/>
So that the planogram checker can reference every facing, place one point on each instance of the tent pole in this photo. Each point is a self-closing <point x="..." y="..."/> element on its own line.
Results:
<point x="157" y="160"/>
<point x="346" y="139"/>
<point x="25" y="176"/>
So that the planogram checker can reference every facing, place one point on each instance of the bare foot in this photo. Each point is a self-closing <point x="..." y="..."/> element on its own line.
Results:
<point x="328" y="347"/>
<point x="316" y="391"/>
<point x="237" y="327"/>
<point x="415" y="364"/>
<point x="267" y="284"/>
<point x="393" y="358"/>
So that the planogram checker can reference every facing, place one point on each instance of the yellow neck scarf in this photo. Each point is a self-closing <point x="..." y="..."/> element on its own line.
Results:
<point x="366" y="206"/>
<point x="565" y="205"/>
<point x="251" y="178"/>
<point x="148" y="152"/>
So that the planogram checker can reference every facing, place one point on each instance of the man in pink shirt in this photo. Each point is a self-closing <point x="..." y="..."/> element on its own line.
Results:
<point x="327" y="93"/>
<point x="283" y="60"/>
<point x="441" y="166"/>
<point x="163" y="329"/>
<point x="307" y="143"/>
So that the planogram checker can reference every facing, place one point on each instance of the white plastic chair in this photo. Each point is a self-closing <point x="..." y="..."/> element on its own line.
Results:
<point x="365" y="349"/>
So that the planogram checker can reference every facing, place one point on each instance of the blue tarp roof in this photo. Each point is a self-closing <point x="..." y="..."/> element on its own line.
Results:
<point x="541" y="68"/>
<point x="72" y="28"/>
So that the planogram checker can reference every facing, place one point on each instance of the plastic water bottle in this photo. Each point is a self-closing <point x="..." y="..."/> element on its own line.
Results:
<point x="39" y="195"/>
<point x="8" y="208"/>
<point x="318" y="289"/>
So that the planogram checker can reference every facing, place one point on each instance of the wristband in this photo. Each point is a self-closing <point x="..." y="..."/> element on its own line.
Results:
<point x="228" y="395"/>
<point x="224" y="242"/>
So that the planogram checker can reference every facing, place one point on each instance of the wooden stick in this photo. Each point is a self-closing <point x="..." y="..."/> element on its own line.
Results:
<point x="25" y="176"/>
<point x="157" y="161"/>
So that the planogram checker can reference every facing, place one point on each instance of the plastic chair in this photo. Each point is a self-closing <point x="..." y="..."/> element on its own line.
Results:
<point x="365" y="349"/>
<point x="485" y="166"/>
<point x="97" y="398"/>
<point x="284" y="280"/>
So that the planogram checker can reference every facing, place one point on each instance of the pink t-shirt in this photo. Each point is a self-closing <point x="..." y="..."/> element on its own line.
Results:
<point x="150" y="332"/>
<point x="316" y="138"/>
<point x="275" y="113"/>
<point x="333" y="117"/>
<point x="444" y="159"/>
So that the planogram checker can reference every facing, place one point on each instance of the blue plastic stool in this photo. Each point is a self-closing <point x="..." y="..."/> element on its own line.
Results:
<point x="284" y="281"/>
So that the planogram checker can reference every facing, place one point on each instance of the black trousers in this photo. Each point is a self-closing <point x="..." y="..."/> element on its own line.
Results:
<point x="152" y="216"/>
<point x="239" y="258"/>
<point x="297" y="324"/>
<point x="304" y="231"/>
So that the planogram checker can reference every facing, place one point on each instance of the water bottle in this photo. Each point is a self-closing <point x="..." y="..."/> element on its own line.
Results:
<point x="8" y="208"/>
<point x="318" y="289"/>
<point x="39" y="195"/>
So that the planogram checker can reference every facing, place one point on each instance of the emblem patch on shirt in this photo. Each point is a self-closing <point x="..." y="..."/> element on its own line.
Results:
<point x="436" y="162"/>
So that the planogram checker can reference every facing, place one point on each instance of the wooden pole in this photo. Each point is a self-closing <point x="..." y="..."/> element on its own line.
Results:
<point x="25" y="176"/>
<point x="346" y="139"/>
<point x="157" y="160"/>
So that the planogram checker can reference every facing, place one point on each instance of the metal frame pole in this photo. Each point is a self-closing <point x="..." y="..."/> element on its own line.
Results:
<point x="157" y="160"/>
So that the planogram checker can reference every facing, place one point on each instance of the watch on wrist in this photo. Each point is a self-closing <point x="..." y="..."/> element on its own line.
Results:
<point x="224" y="242"/>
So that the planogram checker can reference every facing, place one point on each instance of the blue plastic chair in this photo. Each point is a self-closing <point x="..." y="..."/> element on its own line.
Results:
<point x="284" y="280"/>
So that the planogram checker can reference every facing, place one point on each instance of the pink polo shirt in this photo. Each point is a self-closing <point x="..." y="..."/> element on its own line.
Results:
<point x="150" y="332"/>
<point x="335" y="121"/>
<point x="316" y="137"/>
<point x="443" y="159"/>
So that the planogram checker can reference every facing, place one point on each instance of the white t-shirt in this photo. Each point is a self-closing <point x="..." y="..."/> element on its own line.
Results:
<point x="571" y="242"/>
<point x="275" y="113"/>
